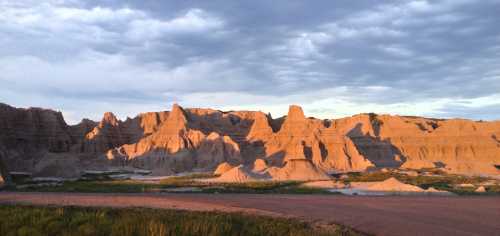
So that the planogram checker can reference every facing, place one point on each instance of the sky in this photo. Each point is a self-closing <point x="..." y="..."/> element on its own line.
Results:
<point x="436" y="58"/>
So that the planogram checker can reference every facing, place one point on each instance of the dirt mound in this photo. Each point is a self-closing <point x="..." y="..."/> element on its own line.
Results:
<point x="259" y="165"/>
<point x="236" y="175"/>
<point x="393" y="185"/>
<point x="480" y="189"/>
<point x="389" y="187"/>
<point x="432" y="190"/>
<point x="223" y="168"/>
<point x="298" y="170"/>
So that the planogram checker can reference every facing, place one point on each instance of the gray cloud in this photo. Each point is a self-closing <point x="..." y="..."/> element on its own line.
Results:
<point x="410" y="57"/>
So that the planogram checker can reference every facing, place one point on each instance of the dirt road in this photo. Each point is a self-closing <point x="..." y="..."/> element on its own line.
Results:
<point x="388" y="215"/>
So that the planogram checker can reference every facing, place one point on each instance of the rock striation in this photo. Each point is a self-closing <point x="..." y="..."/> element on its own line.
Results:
<point x="456" y="145"/>
<point x="223" y="168"/>
<point x="5" y="178"/>
<point x="32" y="129"/>
<point x="298" y="170"/>
<point x="307" y="138"/>
<point x="236" y="175"/>
<point x="167" y="142"/>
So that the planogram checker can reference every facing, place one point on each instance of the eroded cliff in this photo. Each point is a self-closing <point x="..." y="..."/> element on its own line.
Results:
<point x="181" y="140"/>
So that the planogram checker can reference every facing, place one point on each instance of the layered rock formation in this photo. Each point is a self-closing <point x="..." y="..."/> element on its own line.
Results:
<point x="33" y="129"/>
<point x="180" y="140"/>
<point x="177" y="147"/>
<point x="222" y="168"/>
<point x="460" y="146"/>
<point x="27" y="134"/>
<point x="298" y="170"/>
<point x="303" y="138"/>
<point x="236" y="175"/>
<point x="4" y="173"/>
<point x="259" y="165"/>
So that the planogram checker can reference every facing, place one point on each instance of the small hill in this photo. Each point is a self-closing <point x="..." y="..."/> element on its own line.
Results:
<point x="393" y="185"/>
<point x="223" y="168"/>
<point x="480" y="189"/>
<point x="236" y="175"/>
<point x="298" y="170"/>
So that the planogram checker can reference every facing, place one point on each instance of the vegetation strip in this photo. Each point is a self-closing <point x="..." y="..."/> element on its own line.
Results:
<point x="50" y="220"/>
<point x="458" y="184"/>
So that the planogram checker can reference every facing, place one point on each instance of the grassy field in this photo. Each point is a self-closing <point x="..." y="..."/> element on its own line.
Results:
<point x="439" y="180"/>
<point x="106" y="185"/>
<point x="128" y="186"/>
<point x="34" y="221"/>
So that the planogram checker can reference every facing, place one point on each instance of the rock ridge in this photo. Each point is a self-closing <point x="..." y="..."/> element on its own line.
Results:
<point x="190" y="139"/>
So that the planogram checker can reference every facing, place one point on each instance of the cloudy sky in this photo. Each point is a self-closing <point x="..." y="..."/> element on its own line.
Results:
<point x="438" y="58"/>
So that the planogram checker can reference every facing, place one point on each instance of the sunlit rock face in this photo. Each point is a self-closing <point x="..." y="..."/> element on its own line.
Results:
<point x="460" y="146"/>
<point x="308" y="138"/>
<point x="167" y="142"/>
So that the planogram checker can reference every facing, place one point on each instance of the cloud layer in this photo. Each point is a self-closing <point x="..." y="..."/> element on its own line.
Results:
<point x="431" y="58"/>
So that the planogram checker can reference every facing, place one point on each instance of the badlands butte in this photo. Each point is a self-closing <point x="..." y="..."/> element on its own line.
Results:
<point x="40" y="142"/>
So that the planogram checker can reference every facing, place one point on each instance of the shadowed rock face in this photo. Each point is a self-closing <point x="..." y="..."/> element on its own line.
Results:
<point x="33" y="129"/>
<point x="166" y="142"/>
<point x="5" y="178"/>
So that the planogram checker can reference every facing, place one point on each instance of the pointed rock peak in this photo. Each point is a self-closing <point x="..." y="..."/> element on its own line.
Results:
<point x="176" y="120"/>
<point x="261" y="127"/>
<point x="109" y="118"/>
<point x="295" y="122"/>
<point x="295" y="113"/>
<point x="176" y="107"/>
<point x="177" y="113"/>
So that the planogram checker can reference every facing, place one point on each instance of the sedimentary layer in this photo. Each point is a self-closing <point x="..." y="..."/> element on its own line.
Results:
<point x="39" y="141"/>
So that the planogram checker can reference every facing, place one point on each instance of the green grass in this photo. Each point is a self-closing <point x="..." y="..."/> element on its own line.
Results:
<point x="283" y="187"/>
<point x="128" y="186"/>
<point x="440" y="181"/>
<point x="34" y="221"/>
<point x="94" y="186"/>
<point x="131" y="186"/>
<point x="368" y="176"/>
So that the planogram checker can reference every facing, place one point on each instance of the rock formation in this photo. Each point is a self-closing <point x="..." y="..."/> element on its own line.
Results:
<point x="177" y="147"/>
<point x="298" y="170"/>
<point x="4" y="173"/>
<point x="389" y="186"/>
<point x="480" y="189"/>
<point x="106" y="135"/>
<point x="259" y="165"/>
<point x="393" y="185"/>
<point x="460" y="146"/>
<point x="38" y="140"/>
<point x="27" y="130"/>
<point x="236" y="175"/>
<point x="223" y="168"/>
<point x="303" y="138"/>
